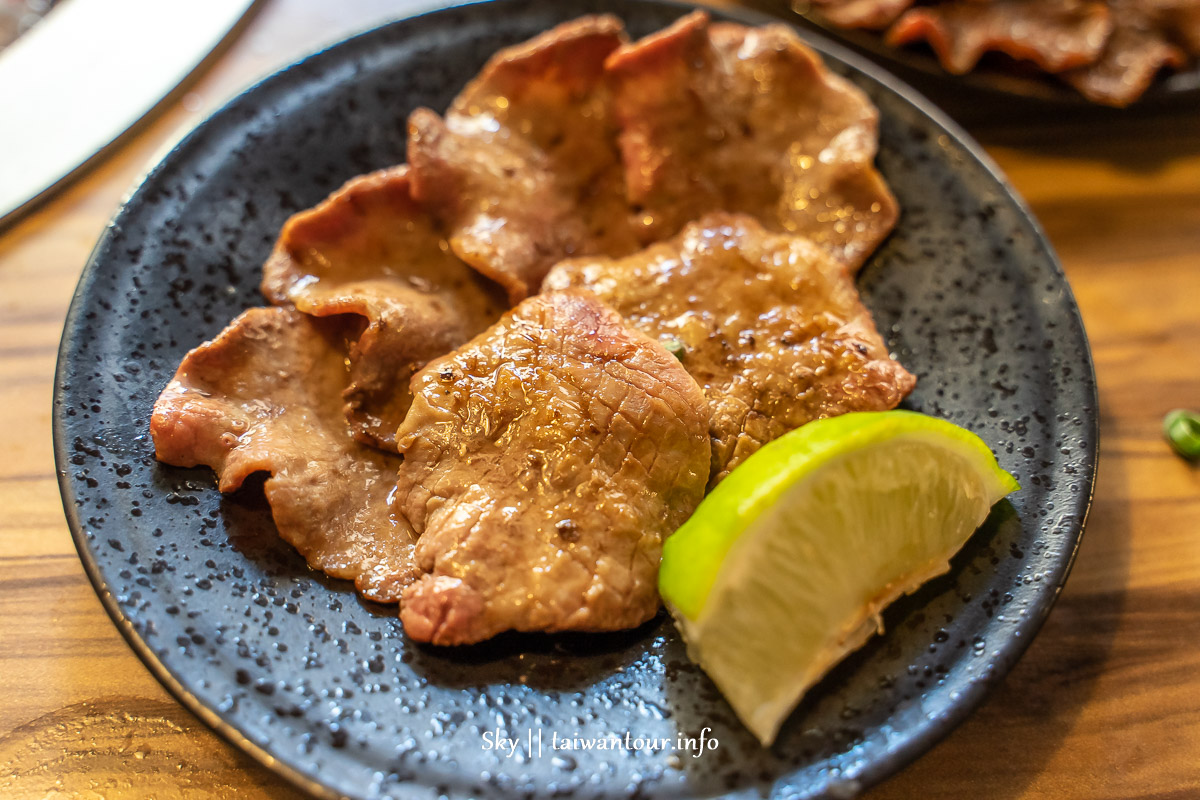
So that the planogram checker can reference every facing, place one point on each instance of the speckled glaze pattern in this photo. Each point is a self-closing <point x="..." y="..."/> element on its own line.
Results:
<point x="325" y="688"/>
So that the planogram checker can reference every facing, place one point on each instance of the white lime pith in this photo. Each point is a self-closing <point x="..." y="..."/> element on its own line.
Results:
<point x="786" y="565"/>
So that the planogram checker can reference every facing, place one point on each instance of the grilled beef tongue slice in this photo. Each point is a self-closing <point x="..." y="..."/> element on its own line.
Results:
<point x="721" y="117"/>
<point x="371" y="251"/>
<point x="264" y="396"/>
<point x="769" y="325"/>
<point x="544" y="464"/>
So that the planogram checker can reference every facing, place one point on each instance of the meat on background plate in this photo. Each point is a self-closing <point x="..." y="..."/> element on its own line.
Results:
<point x="770" y="326"/>
<point x="1136" y="52"/>
<point x="544" y="464"/>
<point x="1111" y="51"/>
<point x="722" y="117"/>
<point x="371" y="251"/>
<point x="265" y="396"/>
<point x="523" y="167"/>
<point x="1054" y="34"/>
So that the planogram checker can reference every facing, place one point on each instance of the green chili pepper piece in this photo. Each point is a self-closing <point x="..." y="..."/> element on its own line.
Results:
<point x="1182" y="429"/>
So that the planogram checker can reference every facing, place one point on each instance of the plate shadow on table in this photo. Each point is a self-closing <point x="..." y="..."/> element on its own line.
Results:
<point x="1136" y="141"/>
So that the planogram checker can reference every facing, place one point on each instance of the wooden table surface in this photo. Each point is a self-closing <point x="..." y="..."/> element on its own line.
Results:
<point x="1106" y="704"/>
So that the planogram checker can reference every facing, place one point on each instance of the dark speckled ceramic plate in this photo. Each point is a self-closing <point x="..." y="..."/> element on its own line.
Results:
<point x="325" y="689"/>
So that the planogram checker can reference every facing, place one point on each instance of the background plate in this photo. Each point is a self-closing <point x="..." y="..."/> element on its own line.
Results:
<point x="325" y="689"/>
<point x="994" y="77"/>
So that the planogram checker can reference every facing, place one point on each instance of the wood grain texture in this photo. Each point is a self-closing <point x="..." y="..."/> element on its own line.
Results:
<point x="1105" y="705"/>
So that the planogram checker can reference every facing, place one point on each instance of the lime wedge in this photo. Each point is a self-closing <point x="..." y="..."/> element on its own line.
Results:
<point x="787" y="564"/>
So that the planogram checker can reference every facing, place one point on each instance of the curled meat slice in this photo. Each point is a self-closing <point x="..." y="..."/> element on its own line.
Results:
<point x="1137" y="50"/>
<point x="371" y="251"/>
<point x="770" y="326"/>
<point x="873" y="14"/>
<point x="722" y="117"/>
<point x="264" y="396"/>
<point x="1056" y="35"/>
<point x="524" y="167"/>
<point x="544" y="464"/>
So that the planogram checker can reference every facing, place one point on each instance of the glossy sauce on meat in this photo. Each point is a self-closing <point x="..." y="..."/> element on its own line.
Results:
<point x="769" y="325"/>
<point x="544" y="464"/>
<point x="524" y="167"/>
<point x="721" y="117"/>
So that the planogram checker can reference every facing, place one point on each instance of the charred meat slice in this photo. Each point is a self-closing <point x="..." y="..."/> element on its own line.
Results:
<point x="369" y="250"/>
<point x="1056" y="35"/>
<point x="265" y="396"/>
<point x="544" y="464"/>
<point x="524" y="168"/>
<point x="769" y="325"/>
<point x="720" y="117"/>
